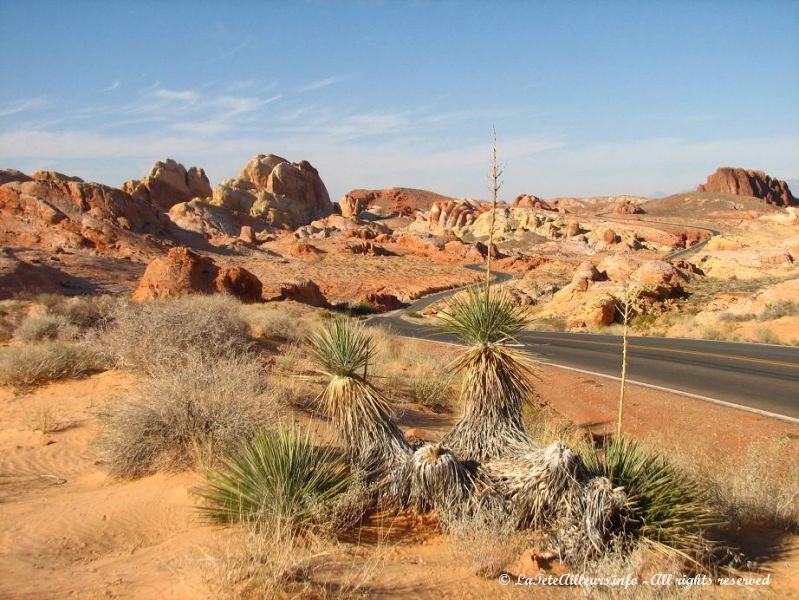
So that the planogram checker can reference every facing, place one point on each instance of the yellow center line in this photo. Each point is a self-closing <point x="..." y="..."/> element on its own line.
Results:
<point x="764" y="361"/>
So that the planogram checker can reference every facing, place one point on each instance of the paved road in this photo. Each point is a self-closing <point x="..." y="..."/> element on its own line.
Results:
<point x="758" y="376"/>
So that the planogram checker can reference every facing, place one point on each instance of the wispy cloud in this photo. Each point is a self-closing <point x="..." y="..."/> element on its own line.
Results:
<point x="188" y="96"/>
<point x="237" y="48"/>
<point x="114" y="85"/>
<point x="13" y="108"/>
<point x="319" y="84"/>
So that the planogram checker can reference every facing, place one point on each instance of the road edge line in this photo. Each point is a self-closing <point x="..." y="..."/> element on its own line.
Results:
<point x="749" y="409"/>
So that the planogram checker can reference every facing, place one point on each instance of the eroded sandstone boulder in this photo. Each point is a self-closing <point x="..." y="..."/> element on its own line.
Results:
<point x="275" y="192"/>
<point x="305" y="291"/>
<point x="169" y="183"/>
<point x="183" y="272"/>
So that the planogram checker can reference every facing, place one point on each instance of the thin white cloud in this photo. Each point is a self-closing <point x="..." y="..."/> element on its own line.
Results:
<point x="13" y="108"/>
<point x="114" y="85"/>
<point x="188" y="96"/>
<point x="319" y="84"/>
<point x="237" y="48"/>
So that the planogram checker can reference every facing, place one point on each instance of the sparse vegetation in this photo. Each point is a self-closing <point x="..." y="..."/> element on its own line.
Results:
<point x="151" y="337"/>
<point x="783" y="308"/>
<point x="40" y="327"/>
<point x="665" y="508"/>
<point x="737" y="487"/>
<point x="344" y="351"/>
<point x="36" y="364"/>
<point x="485" y="537"/>
<point x="187" y="417"/>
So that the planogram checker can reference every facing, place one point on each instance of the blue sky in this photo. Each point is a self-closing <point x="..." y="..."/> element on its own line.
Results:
<point x="588" y="98"/>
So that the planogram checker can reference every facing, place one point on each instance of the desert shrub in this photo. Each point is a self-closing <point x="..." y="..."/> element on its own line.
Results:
<point x="36" y="328"/>
<point x="277" y="322"/>
<point x="727" y="317"/>
<point x="186" y="417"/>
<point x="277" y="476"/>
<point x="6" y="331"/>
<point x="763" y="487"/>
<point x="85" y="312"/>
<point x="549" y="324"/>
<point x="153" y="336"/>
<point x="274" y="562"/>
<point x="430" y="390"/>
<point x="764" y="335"/>
<point x="667" y="509"/>
<point x="783" y="308"/>
<point x="33" y="365"/>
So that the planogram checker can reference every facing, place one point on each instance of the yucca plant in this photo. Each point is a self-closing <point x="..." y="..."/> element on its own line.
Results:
<point x="664" y="508"/>
<point x="540" y="484"/>
<point x="438" y="479"/>
<point x="275" y="475"/>
<point x="496" y="378"/>
<point x="343" y="350"/>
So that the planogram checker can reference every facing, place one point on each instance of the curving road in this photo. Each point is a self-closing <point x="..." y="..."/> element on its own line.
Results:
<point x="760" y="378"/>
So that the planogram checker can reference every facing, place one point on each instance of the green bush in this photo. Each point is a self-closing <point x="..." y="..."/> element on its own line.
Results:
<point x="667" y="509"/>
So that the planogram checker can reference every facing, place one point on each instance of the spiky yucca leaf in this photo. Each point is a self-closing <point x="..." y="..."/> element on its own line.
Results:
<point x="483" y="315"/>
<point x="362" y="414"/>
<point x="342" y="348"/>
<point x="365" y="426"/>
<point x="666" y="509"/>
<point x="276" y="475"/>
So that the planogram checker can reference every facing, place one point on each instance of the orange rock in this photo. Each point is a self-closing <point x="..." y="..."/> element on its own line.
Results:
<point x="305" y="291"/>
<point x="183" y="272"/>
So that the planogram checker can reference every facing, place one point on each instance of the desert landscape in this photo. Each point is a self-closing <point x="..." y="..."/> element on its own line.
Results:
<point x="246" y="386"/>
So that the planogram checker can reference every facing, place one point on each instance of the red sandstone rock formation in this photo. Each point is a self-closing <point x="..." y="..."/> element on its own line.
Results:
<point x="746" y="182"/>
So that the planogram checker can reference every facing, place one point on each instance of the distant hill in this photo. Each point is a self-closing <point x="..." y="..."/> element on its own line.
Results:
<point x="705" y="204"/>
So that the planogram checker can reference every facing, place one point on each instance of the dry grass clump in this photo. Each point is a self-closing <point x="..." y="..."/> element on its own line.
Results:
<point x="410" y="371"/>
<point x="783" y="308"/>
<point x="33" y="365"/>
<point x="64" y="318"/>
<point x="762" y="488"/>
<point x="84" y="312"/>
<point x="160" y="335"/>
<point x="37" y="328"/>
<point x="485" y="535"/>
<point x="275" y="562"/>
<point x="10" y="311"/>
<point x="186" y="417"/>
<point x="280" y="322"/>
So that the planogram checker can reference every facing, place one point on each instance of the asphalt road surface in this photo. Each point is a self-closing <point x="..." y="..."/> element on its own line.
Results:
<point x="760" y="377"/>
